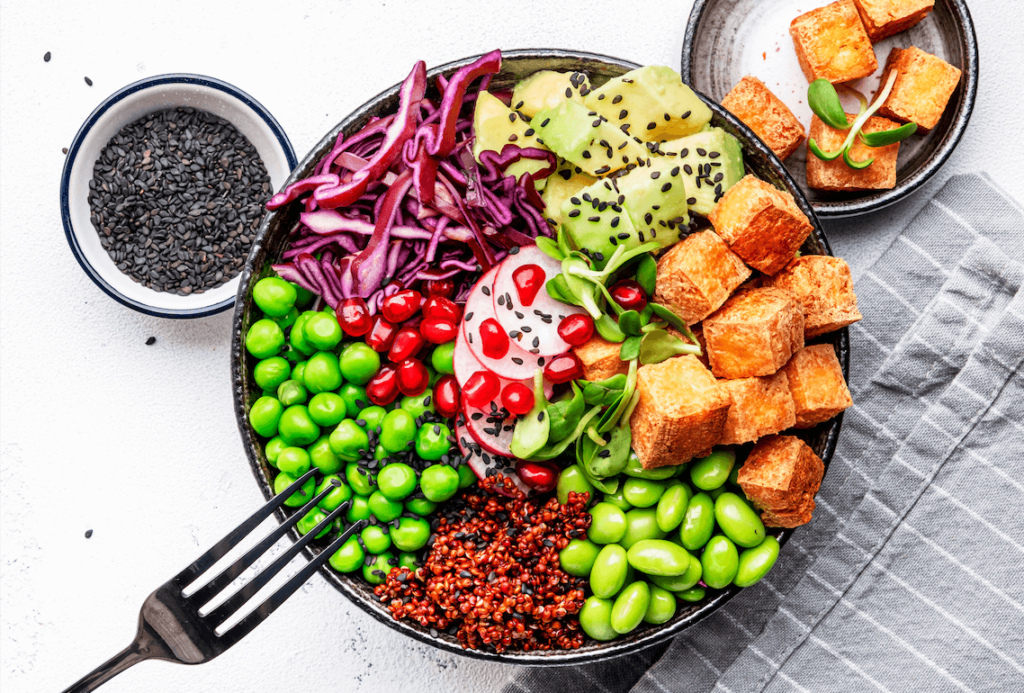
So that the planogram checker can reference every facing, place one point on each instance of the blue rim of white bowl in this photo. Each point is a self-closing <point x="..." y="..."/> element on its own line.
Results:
<point x="69" y="163"/>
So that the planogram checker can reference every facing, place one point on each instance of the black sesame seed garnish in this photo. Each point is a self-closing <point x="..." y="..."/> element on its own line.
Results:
<point x="614" y="222"/>
<point x="574" y="213"/>
<point x="651" y="125"/>
<point x="667" y="117"/>
<point x="530" y="132"/>
<point x="46" y="57"/>
<point x="675" y="171"/>
<point x="686" y="115"/>
<point x="617" y="99"/>
<point x="593" y="218"/>
<point x="648" y="218"/>
<point x="603" y="170"/>
<point x="88" y="81"/>
<point x="568" y="92"/>
<point x="545" y="123"/>
<point x="622" y="235"/>
<point x="586" y="153"/>
<point x="702" y="152"/>
<point x="520" y="105"/>
<point x="600" y="97"/>
<point x="666" y="187"/>
<point x="513" y="137"/>
<point x="655" y="175"/>
<point x="151" y="341"/>
<point x="688" y="169"/>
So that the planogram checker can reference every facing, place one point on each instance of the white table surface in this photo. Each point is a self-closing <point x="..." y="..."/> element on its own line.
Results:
<point x="138" y="443"/>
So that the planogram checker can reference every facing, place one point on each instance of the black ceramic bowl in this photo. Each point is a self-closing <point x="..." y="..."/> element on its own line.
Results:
<point x="270" y="243"/>
<point x="727" y="39"/>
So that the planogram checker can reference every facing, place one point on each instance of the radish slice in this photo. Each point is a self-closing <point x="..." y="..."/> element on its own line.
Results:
<point x="481" y="462"/>
<point x="491" y="426"/>
<point x="533" y="328"/>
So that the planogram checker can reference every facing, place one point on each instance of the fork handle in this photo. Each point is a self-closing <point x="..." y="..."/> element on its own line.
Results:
<point x="127" y="657"/>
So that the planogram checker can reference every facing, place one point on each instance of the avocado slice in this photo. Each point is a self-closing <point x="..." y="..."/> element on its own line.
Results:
<point x="597" y="223"/>
<point x="712" y="163"/>
<point x="587" y="139"/>
<point x="546" y="88"/>
<point x="655" y="198"/>
<point x="566" y="181"/>
<point x="496" y="125"/>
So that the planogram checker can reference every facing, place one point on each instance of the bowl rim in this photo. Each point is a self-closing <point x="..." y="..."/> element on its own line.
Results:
<point x="72" y="156"/>
<point x="873" y="202"/>
<point x="607" y="650"/>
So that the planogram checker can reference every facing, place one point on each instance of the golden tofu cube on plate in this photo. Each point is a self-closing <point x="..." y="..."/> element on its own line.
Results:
<point x="831" y="43"/>
<point x="824" y="286"/>
<point x="760" y="407"/>
<point x="764" y="113"/>
<point x="923" y="87"/>
<point x="754" y="333"/>
<point x="697" y="275"/>
<point x="817" y="385"/>
<point x="600" y="359"/>
<point x="780" y="476"/>
<point x="883" y="18"/>
<point x="836" y="175"/>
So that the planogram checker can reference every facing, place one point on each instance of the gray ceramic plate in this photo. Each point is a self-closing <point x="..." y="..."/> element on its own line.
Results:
<point x="727" y="39"/>
<point x="270" y="243"/>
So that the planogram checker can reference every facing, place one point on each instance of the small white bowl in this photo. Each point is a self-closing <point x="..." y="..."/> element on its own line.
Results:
<point x="126" y="106"/>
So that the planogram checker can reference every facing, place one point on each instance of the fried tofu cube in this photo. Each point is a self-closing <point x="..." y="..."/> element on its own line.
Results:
<point x="817" y="385"/>
<point x="600" y="359"/>
<point x="753" y="103"/>
<point x="780" y="476"/>
<point x="824" y="286"/>
<point x="761" y="224"/>
<point x="697" y="275"/>
<point x="883" y="18"/>
<point x="681" y="412"/>
<point x="836" y="175"/>
<point x="831" y="43"/>
<point x="760" y="407"/>
<point x="754" y="333"/>
<point x="923" y="87"/>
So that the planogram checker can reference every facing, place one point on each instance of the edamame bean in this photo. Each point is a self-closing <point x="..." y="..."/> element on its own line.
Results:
<point x="694" y="594"/>
<point x="269" y="373"/>
<point x="299" y="497"/>
<point x="681" y="583"/>
<point x="578" y="557"/>
<point x="274" y="296"/>
<point x="265" y="415"/>
<point x="273" y="448"/>
<point x="698" y="522"/>
<point x="672" y="506"/>
<point x="322" y="373"/>
<point x="420" y="506"/>
<point x="349" y="557"/>
<point x="411" y="534"/>
<point x="338" y="494"/>
<point x="618" y="500"/>
<point x="738" y="520"/>
<point x="264" y="339"/>
<point x="359" y="363"/>
<point x="439" y="482"/>
<point x="572" y="479"/>
<point x="417" y="405"/>
<point x="630" y="607"/>
<point x="711" y="472"/>
<point x="595" y="619"/>
<point x="294" y="461"/>
<point x="635" y="469"/>
<point x="355" y="398"/>
<point x="755" y="563"/>
<point x="643" y="493"/>
<point x="359" y="510"/>
<point x="308" y="522"/>
<point x="719" y="562"/>
<point x="641" y="523"/>
<point x="609" y="572"/>
<point x="661" y="607"/>
<point x="359" y="479"/>
<point x="467" y="477"/>
<point x="397" y="430"/>
<point x="327" y="408"/>
<point x="322" y="331"/>
<point x="396" y="480"/>
<point x="291" y="392"/>
<point x="377" y="572"/>
<point x="658" y="557"/>
<point x="432" y="441"/>
<point x="349" y="441"/>
<point x="607" y="525"/>
<point x="385" y="509"/>
<point x="441" y="358"/>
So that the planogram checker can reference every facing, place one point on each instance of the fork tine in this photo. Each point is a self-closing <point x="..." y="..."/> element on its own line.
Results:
<point x="226" y="576"/>
<point x="236" y="600"/>
<point x="270" y="604"/>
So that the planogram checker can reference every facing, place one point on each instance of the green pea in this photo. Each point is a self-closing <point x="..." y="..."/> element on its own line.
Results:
<point x="299" y="371"/>
<point x="681" y="583"/>
<point x="609" y="572"/>
<point x="439" y="482"/>
<point x="349" y="557"/>
<point x="635" y="469"/>
<point x="442" y="358"/>
<point x="694" y="594"/>
<point x="397" y="430"/>
<point x="698" y="522"/>
<point x="662" y="606"/>
<point x="755" y="563"/>
<point x="467" y="477"/>
<point x="380" y="453"/>
<point x="269" y="373"/>
<point x="294" y="461"/>
<point x="411" y="534"/>
<point x="712" y="471"/>
<point x="672" y="507"/>
<point x="327" y="408"/>
<point x="641" y="523"/>
<point x="375" y="539"/>
<point x="385" y="509"/>
<point x="274" y="447"/>
<point x="359" y="479"/>
<point x="595" y="619"/>
<point x="396" y="481"/>
<point x="420" y="506"/>
<point x="322" y="457"/>
<point x="738" y="520"/>
<point x="618" y="500"/>
<point x="418" y="405"/>
<point x="355" y="398"/>
<point x="265" y="416"/>
<point x="322" y="331"/>
<point x="264" y="339"/>
<point x="274" y="295"/>
<point x="338" y="494"/>
<point x="377" y="572"/>
<point x="297" y="337"/>
<point x="643" y="493"/>
<point x="658" y="557"/>
<point x="408" y="560"/>
<point x="369" y="418"/>
<point x="359" y="510"/>
<point x="322" y="373"/>
<point x="291" y="392"/>
<point x="308" y="522"/>
<point x="349" y="441"/>
<point x="288" y="319"/>
<point x="630" y="607"/>
<point x="300" y="497"/>
<point x="432" y="441"/>
<point x="296" y="426"/>
<point x="359" y="363"/>
<point x="572" y="478"/>
<point x="720" y="561"/>
<point x="578" y="557"/>
<point x="607" y="525"/>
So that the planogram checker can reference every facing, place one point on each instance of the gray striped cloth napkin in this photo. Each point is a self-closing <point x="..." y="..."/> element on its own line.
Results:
<point x="911" y="575"/>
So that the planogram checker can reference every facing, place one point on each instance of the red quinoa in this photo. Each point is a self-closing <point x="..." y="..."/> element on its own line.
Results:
<point x="492" y="575"/>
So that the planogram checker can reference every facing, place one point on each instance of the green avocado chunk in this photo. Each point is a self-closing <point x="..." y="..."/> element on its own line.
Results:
<point x="587" y="139"/>
<point x="712" y="163"/>
<point x="546" y="89"/>
<point x="496" y="125"/>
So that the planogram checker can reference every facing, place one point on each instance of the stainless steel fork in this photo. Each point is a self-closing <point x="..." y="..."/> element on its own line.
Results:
<point x="170" y="624"/>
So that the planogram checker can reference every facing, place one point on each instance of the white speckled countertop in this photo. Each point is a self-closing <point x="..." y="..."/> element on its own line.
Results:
<point x="138" y="443"/>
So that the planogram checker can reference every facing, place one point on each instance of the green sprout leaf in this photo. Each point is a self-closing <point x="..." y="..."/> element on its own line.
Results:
<point x="823" y="155"/>
<point x="550" y="248"/>
<point x="659" y="345"/>
<point x="533" y="429"/>
<point x="559" y="290"/>
<point x="553" y="450"/>
<point x="612" y="415"/>
<point x="609" y="460"/>
<point x="887" y="137"/>
<point x="609" y="329"/>
<point x="824" y="101"/>
<point x="565" y="414"/>
<point x="630" y="348"/>
<point x="854" y="164"/>
<point x="629" y="323"/>
<point x="604" y="392"/>
<point x="647" y="274"/>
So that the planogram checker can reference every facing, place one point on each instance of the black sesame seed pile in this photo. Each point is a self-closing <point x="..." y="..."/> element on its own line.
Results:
<point x="176" y="198"/>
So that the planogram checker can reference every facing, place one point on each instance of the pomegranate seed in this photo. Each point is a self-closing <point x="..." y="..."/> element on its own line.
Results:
<point x="446" y="396"/>
<point x="354" y="317"/>
<point x="576" y="329"/>
<point x="481" y="389"/>
<point x="413" y="377"/>
<point x="438" y="331"/>
<point x="493" y="339"/>
<point x="383" y="387"/>
<point x="517" y="398"/>
<point x="443" y="308"/>
<point x="381" y="335"/>
<point x="529" y="280"/>
<point x="407" y="343"/>
<point x="439" y="287"/>
<point x="537" y="475"/>
<point x="564" y="368"/>
<point x="628" y="294"/>
<point x="401" y="306"/>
